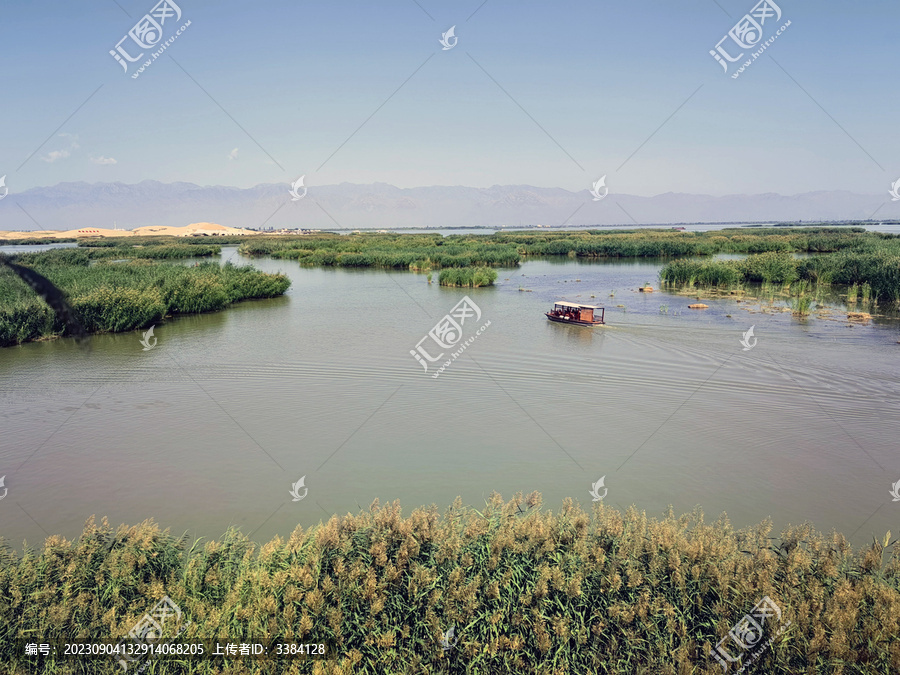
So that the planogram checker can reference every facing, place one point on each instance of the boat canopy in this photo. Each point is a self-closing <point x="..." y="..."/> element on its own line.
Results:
<point x="575" y="304"/>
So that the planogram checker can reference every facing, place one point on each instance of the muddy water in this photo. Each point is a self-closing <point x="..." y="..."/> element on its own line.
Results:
<point x="212" y="426"/>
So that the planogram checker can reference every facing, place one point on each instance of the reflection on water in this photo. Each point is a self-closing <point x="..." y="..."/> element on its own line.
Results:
<point x="34" y="248"/>
<point x="212" y="426"/>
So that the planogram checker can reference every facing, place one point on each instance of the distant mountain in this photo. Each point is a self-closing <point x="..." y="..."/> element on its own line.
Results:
<point x="72" y="205"/>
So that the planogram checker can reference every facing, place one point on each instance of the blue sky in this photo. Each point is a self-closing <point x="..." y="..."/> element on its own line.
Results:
<point x="291" y="81"/>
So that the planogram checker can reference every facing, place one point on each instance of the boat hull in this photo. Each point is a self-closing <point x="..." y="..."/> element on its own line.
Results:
<point x="576" y="322"/>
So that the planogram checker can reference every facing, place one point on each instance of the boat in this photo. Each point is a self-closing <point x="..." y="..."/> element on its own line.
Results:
<point x="574" y="313"/>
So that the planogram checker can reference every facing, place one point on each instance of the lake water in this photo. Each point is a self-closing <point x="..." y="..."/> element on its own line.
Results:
<point x="212" y="426"/>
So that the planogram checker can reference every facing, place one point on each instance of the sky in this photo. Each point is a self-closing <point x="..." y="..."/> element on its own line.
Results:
<point x="531" y="93"/>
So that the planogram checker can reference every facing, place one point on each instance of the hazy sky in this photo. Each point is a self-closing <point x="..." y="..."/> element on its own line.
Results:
<point x="537" y="93"/>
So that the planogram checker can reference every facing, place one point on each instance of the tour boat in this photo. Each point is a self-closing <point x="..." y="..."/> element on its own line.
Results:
<point x="580" y="315"/>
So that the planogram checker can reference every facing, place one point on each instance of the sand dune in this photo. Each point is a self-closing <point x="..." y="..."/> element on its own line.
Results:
<point x="192" y="230"/>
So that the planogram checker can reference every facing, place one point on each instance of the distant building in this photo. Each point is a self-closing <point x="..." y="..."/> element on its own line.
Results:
<point x="294" y="231"/>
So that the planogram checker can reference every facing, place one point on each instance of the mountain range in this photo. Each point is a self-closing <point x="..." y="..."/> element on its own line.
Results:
<point x="352" y="206"/>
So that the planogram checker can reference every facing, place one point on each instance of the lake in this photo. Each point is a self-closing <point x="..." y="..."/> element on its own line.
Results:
<point x="212" y="426"/>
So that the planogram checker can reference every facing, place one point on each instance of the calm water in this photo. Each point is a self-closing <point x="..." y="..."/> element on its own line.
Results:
<point x="212" y="426"/>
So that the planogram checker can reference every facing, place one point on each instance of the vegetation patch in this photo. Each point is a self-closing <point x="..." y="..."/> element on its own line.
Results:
<point x="875" y="274"/>
<point x="35" y="241"/>
<point x="525" y="591"/>
<point x="467" y="276"/>
<point x="158" y="240"/>
<point x="110" y="296"/>
<point x="400" y="251"/>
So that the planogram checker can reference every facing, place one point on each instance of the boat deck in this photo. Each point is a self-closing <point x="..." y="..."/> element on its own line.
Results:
<point x="580" y="315"/>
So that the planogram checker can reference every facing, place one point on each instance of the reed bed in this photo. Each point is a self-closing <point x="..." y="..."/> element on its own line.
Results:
<point x="840" y="255"/>
<point x="166" y="251"/>
<point x="426" y="251"/>
<point x="507" y="249"/>
<point x="158" y="240"/>
<point x="149" y="252"/>
<point x="407" y="251"/>
<point x="526" y="591"/>
<point x="110" y="296"/>
<point x="35" y="241"/>
<point x="669" y="243"/>
<point x="587" y="243"/>
<point x="706" y="273"/>
<point x="473" y="277"/>
<point x="877" y="273"/>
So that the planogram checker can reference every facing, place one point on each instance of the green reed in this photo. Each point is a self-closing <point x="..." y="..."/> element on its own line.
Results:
<point x="35" y="241"/>
<point x="159" y="240"/>
<point x="866" y="291"/>
<point x="801" y="304"/>
<point x="874" y="274"/>
<point x="79" y="255"/>
<point x="109" y="296"/>
<point x="467" y="276"/>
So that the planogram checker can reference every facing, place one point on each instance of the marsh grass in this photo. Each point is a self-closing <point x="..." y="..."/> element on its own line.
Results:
<point x="508" y="248"/>
<point x="408" y="251"/>
<point x="157" y="240"/>
<point x="800" y="305"/>
<point x="169" y="251"/>
<point x="706" y="273"/>
<point x="35" y="241"/>
<point x="529" y="591"/>
<point x="842" y="256"/>
<point x="78" y="255"/>
<point x="467" y="276"/>
<point x="108" y="296"/>
<point x="874" y="274"/>
<point x="666" y="243"/>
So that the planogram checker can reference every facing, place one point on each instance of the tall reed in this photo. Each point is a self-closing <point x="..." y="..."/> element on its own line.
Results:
<point x="111" y="296"/>
<point x="467" y="276"/>
<point x="866" y="290"/>
<point x="527" y="591"/>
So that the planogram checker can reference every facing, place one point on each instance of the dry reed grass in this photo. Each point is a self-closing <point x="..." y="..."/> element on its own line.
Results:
<point x="528" y="591"/>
